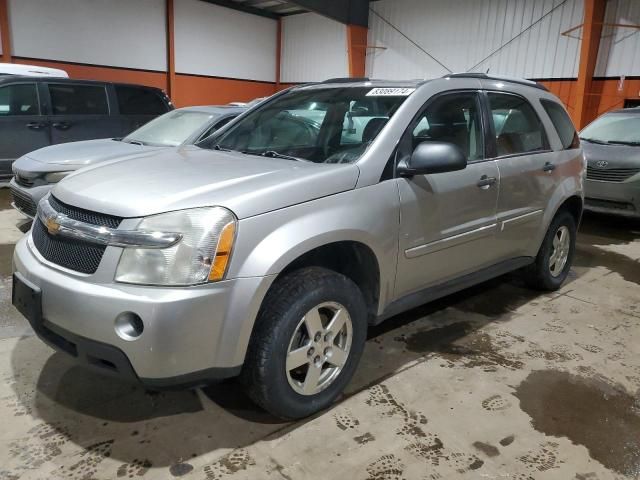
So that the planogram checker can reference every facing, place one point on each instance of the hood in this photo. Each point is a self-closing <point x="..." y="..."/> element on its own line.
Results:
<point x="617" y="156"/>
<point x="86" y="153"/>
<point x="189" y="177"/>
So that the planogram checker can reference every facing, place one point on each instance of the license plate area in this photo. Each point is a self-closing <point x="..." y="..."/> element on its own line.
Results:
<point x="27" y="298"/>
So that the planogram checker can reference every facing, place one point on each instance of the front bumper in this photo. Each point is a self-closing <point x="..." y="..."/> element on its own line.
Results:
<point x="609" y="197"/>
<point x="25" y="200"/>
<point x="191" y="334"/>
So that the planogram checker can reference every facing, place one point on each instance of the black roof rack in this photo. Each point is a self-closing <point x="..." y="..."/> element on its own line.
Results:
<point x="520" y="81"/>
<point x="346" y="80"/>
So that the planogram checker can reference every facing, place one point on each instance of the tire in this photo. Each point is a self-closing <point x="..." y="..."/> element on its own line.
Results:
<point x="282" y="327"/>
<point x="540" y="275"/>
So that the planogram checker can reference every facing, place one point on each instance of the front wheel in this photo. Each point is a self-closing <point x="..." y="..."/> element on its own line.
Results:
<point x="555" y="256"/>
<point x="306" y="344"/>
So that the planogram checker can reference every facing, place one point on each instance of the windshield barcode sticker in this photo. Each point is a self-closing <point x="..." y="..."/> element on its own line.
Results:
<point x="390" y="92"/>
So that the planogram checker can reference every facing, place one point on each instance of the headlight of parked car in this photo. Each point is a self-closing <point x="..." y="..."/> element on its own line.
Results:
<point x="201" y="255"/>
<point x="55" y="177"/>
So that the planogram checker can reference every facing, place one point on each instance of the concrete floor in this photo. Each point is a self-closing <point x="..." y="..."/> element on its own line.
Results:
<point x="497" y="382"/>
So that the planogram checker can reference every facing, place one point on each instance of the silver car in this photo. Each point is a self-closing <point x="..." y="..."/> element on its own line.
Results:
<point x="37" y="172"/>
<point x="266" y="251"/>
<point x="612" y="148"/>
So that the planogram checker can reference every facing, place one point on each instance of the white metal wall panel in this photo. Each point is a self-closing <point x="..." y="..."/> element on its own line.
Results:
<point x="221" y="42"/>
<point x="314" y="48"/>
<point x="619" y="52"/>
<point x="118" y="33"/>
<point x="508" y="37"/>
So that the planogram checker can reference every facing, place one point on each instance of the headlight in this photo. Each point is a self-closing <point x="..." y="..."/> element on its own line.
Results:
<point x="55" y="177"/>
<point x="201" y="255"/>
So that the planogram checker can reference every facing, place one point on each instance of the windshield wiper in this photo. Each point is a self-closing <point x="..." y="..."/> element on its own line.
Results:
<point x="220" y="148"/>
<point x="133" y="142"/>
<point x="623" y="142"/>
<point x="593" y="140"/>
<point x="274" y="154"/>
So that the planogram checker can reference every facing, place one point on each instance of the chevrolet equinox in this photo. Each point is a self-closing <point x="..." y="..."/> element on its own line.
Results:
<point x="266" y="251"/>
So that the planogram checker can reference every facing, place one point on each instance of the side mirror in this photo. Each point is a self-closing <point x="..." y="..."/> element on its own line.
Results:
<point x="433" y="157"/>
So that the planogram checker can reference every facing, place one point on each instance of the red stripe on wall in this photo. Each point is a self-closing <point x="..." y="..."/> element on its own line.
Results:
<point x="198" y="90"/>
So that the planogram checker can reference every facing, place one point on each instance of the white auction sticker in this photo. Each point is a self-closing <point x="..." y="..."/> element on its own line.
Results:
<point x="390" y="92"/>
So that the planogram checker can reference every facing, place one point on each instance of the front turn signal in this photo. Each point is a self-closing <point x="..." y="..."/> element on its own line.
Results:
<point x="223" y="252"/>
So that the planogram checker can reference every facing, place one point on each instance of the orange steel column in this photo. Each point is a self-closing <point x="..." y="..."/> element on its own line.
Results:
<point x="594" y="11"/>
<point x="5" y="36"/>
<point x="278" y="53"/>
<point x="171" y="59"/>
<point x="356" y="49"/>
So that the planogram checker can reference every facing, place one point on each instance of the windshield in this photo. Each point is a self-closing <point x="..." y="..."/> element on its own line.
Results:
<point x="171" y="129"/>
<point x="620" y="128"/>
<point x="322" y="125"/>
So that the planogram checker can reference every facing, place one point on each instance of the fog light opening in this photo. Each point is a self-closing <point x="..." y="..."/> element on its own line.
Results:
<point x="129" y="326"/>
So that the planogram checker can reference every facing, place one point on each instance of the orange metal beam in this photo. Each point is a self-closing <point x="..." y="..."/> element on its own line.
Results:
<point x="171" y="56"/>
<point x="357" y="49"/>
<point x="5" y="35"/>
<point x="594" y="11"/>
<point x="278" y="53"/>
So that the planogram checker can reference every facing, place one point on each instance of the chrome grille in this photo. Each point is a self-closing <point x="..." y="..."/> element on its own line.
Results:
<point x="75" y="255"/>
<point x="610" y="174"/>
<point x="23" y="202"/>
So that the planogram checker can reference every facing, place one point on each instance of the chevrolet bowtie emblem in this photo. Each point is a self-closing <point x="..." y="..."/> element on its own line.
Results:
<point x="52" y="226"/>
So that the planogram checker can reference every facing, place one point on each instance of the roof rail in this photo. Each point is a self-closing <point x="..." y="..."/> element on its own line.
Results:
<point x="520" y="81"/>
<point x="346" y="80"/>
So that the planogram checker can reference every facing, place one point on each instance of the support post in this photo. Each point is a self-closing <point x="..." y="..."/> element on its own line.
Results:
<point x="171" y="59"/>
<point x="594" y="11"/>
<point x="5" y="33"/>
<point x="357" y="50"/>
<point x="278" y="53"/>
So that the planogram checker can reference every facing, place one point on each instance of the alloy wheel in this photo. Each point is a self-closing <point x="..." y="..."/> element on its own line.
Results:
<point x="319" y="348"/>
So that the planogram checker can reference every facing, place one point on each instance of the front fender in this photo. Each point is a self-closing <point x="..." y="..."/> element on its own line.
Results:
<point x="267" y="243"/>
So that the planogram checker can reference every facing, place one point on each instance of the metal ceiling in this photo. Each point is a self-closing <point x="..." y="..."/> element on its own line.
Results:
<point x="350" y="12"/>
<point x="266" y="8"/>
<point x="279" y="7"/>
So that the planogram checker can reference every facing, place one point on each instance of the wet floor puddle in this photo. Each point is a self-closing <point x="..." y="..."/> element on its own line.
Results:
<point x="6" y="258"/>
<point x="460" y="344"/>
<point x="5" y="199"/>
<point x="589" y="412"/>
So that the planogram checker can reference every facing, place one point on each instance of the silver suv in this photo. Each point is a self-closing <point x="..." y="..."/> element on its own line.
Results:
<point x="267" y="251"/>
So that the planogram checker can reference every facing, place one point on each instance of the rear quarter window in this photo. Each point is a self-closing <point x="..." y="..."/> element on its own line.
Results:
<point x="562" y="123"/>
<point x="139" y="101"/>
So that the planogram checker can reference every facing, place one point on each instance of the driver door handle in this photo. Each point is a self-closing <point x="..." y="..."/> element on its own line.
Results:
<point x="548" y="167"/>
<point x="486" y="182"/>
<point x="61" y="125"/>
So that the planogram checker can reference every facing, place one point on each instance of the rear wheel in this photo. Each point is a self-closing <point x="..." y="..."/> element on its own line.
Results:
<point x="306" y="344"/>
<point x="555" y="256"/>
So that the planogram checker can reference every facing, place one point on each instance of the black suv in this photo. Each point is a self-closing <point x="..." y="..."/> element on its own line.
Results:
<point x="36" y="112"/>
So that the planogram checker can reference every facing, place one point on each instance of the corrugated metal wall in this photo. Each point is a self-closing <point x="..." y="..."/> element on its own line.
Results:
<point x="117" y="33"/>
<point x="313" y="48"/>
<point x="429" y="38"/>
<point x="218" y="41"/>
<point x="619" y="52"/>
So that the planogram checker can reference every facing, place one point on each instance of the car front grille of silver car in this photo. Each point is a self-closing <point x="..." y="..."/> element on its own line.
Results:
<point x="611" y="174"/>
<point x="23" y="202"/>
<point x="73" y="254"/>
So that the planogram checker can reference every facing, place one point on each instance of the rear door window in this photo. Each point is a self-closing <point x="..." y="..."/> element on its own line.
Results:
<point x="139" y="101"/>
<point x="19" y="99"/>
<point x="70" y="99"/>
<point x="562" y="123"/>
<point x="517" y="127"/>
